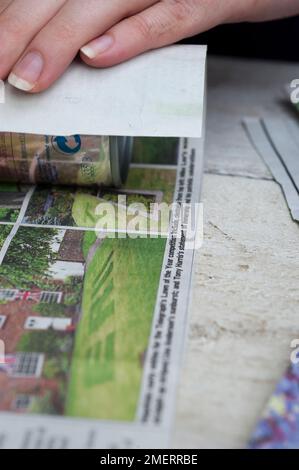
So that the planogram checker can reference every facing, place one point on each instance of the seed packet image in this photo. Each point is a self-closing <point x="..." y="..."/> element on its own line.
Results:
<point x="92" y="325"/>
<point x="279" y="427"/>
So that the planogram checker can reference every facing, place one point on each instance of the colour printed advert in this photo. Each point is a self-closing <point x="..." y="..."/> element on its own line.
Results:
<point x="279" y="427"/>
<point x="92" y="327"/>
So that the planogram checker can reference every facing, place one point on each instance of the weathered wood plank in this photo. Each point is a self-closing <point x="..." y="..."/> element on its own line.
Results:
<point x="239" y="88"/>
<point x="244" y="315"/>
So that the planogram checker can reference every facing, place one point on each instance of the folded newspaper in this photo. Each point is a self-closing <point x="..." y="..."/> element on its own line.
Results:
<point x="94" y="286"/>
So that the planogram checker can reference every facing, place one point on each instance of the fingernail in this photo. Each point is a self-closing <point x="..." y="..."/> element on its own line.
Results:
<point x="26" y="73"/>
<point x="98" y="46"/>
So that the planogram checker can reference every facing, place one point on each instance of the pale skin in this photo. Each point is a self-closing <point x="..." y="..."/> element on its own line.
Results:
<point x="40" y="38"/>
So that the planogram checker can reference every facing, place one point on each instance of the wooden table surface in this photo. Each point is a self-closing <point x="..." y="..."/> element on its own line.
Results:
<point x="246" y="299"/>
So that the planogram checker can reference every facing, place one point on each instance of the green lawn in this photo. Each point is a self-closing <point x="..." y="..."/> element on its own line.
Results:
<point x="84" y="210"/>
<point x="119" y="297"/>
<point x="153" y="179"/>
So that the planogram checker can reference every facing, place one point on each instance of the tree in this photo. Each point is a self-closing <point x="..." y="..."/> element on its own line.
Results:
<point x="28" y="258"/>
<point x="50" y="342"/>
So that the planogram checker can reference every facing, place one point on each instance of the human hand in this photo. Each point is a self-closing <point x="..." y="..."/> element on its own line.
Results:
<point x="41" y="38"/>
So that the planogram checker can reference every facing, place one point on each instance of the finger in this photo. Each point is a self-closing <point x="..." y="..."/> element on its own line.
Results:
<point x="164" y="23"/>
<point x="19" y="22"/>
<point x="54" y="48"/>
<point x="4" y="4"/>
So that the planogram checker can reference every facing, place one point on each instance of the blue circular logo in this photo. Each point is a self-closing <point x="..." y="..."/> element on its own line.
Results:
<point x="67" y="145"/>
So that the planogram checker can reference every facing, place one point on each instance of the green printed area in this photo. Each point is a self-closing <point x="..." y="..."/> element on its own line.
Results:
<point x="9" y="187"/>
<point x="155" y="150"/>
<point x="119" y="297"/>
<point x="7" y="215"/>
<point x="88" y="240"/>
<point x="84" y="210"/>
<point x="67" y="207"/>
<point x="28" y="258"/>
<point x="4" y="232"/>
<point x="105" y="289"/>
<point x="93" y="212"/>
<point x="153" y="179"/>
<point x="11" y="200"/>
<point x="51" y="206"/>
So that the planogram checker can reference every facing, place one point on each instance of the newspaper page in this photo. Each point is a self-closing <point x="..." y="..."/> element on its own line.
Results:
<point x="93" y="320"/>
<point x="160" y="93"/>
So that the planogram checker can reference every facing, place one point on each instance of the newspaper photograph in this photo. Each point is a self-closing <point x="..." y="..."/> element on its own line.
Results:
<point x="93" y="308"/>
